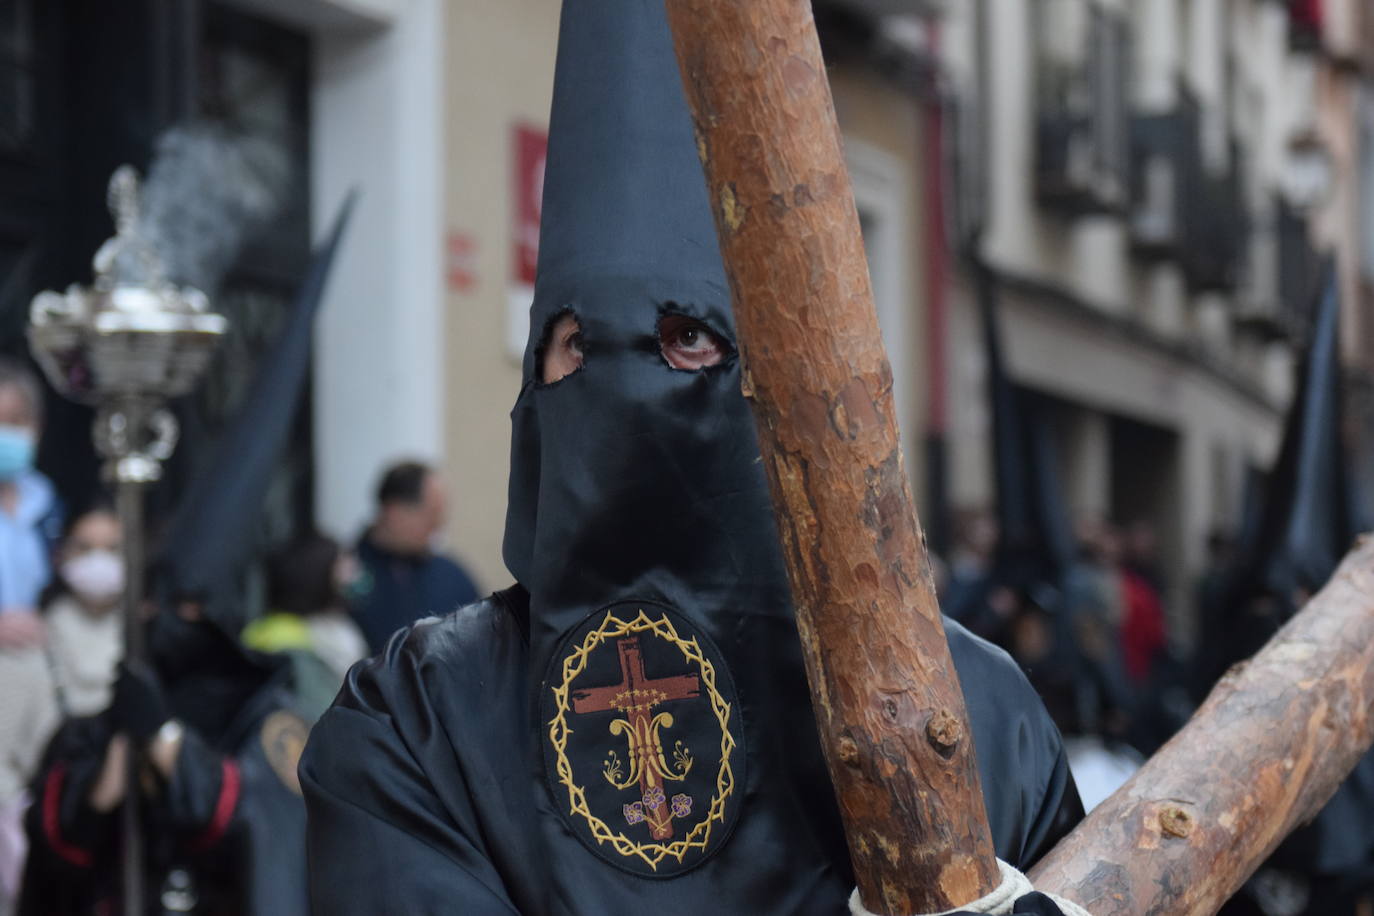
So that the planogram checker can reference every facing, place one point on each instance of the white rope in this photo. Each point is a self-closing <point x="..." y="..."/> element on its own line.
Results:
<point x="1014" y="886"/>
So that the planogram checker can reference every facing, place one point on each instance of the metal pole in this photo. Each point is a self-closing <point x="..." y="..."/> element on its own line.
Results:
<point x="129" y="503"/>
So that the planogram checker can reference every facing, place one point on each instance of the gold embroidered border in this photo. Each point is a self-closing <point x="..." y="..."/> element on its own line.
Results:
<point x="697" y="838"/>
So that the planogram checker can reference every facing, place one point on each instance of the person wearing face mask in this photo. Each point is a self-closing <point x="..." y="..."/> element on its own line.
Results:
<point x="30" y="513"/>
<point x="217" y="740"/>
<point x="401" y="577"/>
<point x="30" y="525"/>
<point x="70" y="674"/>
<point x="84" y="625"/>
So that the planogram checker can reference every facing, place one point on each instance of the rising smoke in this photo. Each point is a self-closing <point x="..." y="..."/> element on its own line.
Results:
<point x="208" y="187"/>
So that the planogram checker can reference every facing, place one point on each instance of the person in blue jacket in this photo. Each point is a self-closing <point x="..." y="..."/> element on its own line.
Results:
<point x="401" y="577"/>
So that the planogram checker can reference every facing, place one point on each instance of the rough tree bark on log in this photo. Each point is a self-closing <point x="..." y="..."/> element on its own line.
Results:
<point x="887" y="699"/>
<point x="1272" y="743"/>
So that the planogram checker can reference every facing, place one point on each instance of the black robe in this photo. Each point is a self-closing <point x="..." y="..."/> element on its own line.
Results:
<point x="230" y="817"/>
<point x="427" y="793"/>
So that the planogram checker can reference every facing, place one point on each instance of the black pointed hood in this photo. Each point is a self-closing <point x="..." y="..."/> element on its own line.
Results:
<point x="210" y="534"/>
<point x="639" y="520"/>
<point x="1034" y="544"/>
<point x="624" y="199"/>
<point x="1305" y="525"/>
<point x="1298" y="517"/>
<point x="634" y="452"/>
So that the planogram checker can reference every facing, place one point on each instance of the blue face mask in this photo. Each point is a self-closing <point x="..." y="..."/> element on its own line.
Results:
<point x="16" y="451"/>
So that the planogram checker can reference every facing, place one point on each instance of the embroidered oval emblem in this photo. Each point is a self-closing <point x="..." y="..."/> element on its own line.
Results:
<point x="643" y="752"/>
<point x="283" y="738"/>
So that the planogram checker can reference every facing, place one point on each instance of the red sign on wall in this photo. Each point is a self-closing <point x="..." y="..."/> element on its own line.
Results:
<point x="530" y="147"/>
<point x="461" y="261"/>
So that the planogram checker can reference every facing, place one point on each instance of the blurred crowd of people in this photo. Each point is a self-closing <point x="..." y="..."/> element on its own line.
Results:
<point x="1094" y="639"/>
<point x="217" y="718"/>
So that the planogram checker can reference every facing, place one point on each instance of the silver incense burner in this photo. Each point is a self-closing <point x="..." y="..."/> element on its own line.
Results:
<point x="125" y="345"/>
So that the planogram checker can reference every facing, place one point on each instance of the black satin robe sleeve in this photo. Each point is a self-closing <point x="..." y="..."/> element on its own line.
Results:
<point x="67" y="837"/>
<point x="1029" y="905"/>
<point x="1031" y="798"/>
<point x="236" y="824"/>
<point x="378" y="837"/>
<point x="199" y="801"/>
<point x="202" y="796"/>
<point x="383" y="833"/>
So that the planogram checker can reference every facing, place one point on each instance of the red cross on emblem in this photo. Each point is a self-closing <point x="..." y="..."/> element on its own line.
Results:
<point x="637" y="696"/>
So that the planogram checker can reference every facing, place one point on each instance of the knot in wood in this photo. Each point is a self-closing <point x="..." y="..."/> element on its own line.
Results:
<point x="848" y="751"/>
<point x="731" y="210"/>
<point x="944" y="731"/>
<point x="1174" y="821"/>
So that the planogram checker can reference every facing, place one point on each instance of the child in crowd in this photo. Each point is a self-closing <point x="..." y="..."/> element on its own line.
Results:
<point x="307" y="619"/>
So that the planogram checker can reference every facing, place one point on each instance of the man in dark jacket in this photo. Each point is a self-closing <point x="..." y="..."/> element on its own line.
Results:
<point x="401" y="578"/>
<point x="628" y="729"/>
<point x="224" y="826"/>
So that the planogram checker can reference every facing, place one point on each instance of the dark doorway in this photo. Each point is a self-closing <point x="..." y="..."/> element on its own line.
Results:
<point x="1146" y="486"/>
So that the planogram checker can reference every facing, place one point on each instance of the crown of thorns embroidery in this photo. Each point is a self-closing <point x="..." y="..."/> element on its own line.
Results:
<point x="647" y="768"/>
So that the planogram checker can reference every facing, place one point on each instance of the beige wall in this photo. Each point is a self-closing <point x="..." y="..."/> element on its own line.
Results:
<point x="1086" y="256"/>
<point x="882" y="128"/>
<point x="377" y="374"/>
<point x="499" y="59"/>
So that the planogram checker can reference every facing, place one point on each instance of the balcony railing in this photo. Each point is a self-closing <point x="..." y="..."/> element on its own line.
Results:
<point x="1082" y="131"/>
<point x="1300" y="266"/>
<point x="1215" y="228"/>
<point x="1164" y="149"/>
<point x="1179" y="208"/>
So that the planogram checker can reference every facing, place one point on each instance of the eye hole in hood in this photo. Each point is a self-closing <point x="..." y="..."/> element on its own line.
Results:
<point x="561" y="349"/>
<point x="688" y="343"/>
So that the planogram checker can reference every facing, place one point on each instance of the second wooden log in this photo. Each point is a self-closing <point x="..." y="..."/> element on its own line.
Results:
<point x="1265" y="752"/>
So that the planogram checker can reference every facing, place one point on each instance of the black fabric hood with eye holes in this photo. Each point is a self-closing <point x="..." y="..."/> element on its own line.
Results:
<point x="629" y="730"/>
<point x="639" y="519"/>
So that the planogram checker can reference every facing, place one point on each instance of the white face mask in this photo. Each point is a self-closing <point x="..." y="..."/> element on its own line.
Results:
<point x="96" y="576"/>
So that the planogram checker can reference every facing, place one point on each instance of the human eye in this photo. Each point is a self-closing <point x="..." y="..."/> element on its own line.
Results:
<point x="563" y="353"/>
<point x="688" y="344"/>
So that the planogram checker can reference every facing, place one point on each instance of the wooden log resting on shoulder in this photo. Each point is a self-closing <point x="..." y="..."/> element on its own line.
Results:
<point x="1265" y="752"/>
<point x="887" y="698"/>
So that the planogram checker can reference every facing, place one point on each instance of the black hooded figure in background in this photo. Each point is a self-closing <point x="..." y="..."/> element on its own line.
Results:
<point x="628" y="729"/>
<point x="224" y="826"/>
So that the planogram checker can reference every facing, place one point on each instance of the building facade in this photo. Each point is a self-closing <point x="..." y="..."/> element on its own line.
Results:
<point x="1144" y="193"/>
<point x="1154" y="184"/>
